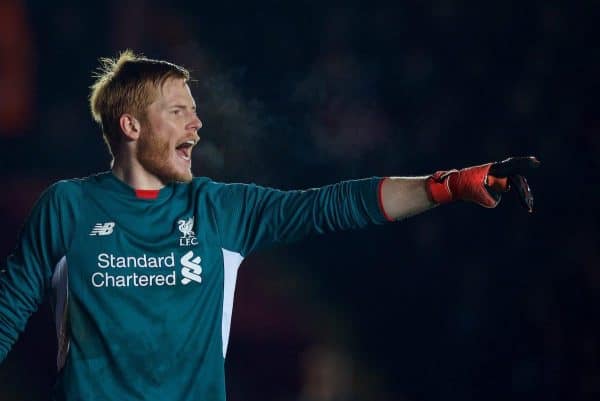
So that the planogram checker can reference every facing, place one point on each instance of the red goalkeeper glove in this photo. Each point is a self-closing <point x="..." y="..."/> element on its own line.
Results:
<point x="484" y="184"/>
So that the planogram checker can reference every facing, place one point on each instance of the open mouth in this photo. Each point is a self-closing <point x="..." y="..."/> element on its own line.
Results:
<point x="184" y="150"/>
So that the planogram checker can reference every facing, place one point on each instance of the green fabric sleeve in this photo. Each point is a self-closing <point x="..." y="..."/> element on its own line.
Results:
<point x="27" y="276"/>
<point x="251" y="217"/>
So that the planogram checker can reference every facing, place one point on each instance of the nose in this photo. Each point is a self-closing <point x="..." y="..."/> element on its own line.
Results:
<point x="196" y="123"/>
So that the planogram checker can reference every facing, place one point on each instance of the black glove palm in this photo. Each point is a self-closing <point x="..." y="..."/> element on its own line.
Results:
<point x="513" y="169"/>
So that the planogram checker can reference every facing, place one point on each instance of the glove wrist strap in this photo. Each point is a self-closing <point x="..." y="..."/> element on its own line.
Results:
<point x="466" y="184"/>
<point x="438" y="187"/>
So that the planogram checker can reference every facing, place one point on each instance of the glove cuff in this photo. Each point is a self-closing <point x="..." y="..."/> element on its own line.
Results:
<point x="438" y="187"/>
<point x="465" y="184"/>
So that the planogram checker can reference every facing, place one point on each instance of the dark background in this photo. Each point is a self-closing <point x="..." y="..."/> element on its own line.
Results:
<point x="460" y="303"/>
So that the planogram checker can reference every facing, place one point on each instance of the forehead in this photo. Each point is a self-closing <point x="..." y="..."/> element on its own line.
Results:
<point x="174" y="91"/>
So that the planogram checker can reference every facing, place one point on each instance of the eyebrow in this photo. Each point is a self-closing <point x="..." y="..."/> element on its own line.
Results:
<point x="181" y="106"/>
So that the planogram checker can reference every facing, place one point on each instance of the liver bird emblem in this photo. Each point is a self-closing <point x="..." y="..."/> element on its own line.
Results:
<point x="186" y="226"/>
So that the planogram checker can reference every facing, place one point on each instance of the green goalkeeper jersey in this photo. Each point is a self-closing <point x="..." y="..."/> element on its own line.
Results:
<point x="142" y="289"/>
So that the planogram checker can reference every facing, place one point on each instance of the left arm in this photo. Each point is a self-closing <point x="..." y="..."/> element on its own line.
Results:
<point x="252" y="217"/>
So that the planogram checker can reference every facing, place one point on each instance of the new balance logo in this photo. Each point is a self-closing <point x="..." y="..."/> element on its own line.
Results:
<point x="103" y="228"/>
<point x="191" y="269"/>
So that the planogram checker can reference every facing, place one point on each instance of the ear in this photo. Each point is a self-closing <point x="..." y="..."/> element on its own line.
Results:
<point x="130" y="126"/>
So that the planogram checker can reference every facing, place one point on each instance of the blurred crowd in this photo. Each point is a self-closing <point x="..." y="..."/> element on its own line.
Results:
<point x="461" y="303"/>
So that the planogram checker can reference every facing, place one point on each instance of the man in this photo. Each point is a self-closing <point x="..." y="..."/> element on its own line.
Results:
<point x="142" y="260"/>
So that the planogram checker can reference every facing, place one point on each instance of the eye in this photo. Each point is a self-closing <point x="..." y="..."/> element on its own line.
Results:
<point x="176" y="112"/>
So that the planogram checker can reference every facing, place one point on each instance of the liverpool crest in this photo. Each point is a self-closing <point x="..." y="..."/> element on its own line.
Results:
<point x="188" y="236"/>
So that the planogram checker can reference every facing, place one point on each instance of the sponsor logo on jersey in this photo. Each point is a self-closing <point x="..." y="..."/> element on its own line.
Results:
<point x="145" y="270"/>
<point x="188" y="236"/>
<point x="191" y="269"/>
<point x="103" y="228"/>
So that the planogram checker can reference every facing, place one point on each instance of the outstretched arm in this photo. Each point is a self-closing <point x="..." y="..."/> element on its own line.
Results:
<point x="252" y="217"/>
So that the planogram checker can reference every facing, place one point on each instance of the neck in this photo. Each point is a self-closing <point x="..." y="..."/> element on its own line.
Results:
<point x="134" y="175"/>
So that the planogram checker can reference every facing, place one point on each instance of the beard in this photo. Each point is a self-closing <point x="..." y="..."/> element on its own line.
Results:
<point x="154" y="154"/>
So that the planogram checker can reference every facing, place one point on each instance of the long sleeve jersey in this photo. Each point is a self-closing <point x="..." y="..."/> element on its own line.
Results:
<point x="142" y="289"/>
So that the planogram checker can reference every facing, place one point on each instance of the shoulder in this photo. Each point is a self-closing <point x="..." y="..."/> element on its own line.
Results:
<point x="205" y="185"/>
<point x="72" y="191"/>
<point x="60" y="190"/>
<point x="199" y="182"/>
<point x="67" y="189"/>
<point x="215" y="191"/>
<point x="61" y="197"/>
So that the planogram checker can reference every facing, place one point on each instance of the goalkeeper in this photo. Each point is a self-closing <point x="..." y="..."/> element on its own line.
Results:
<point x="141" y="260"/>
